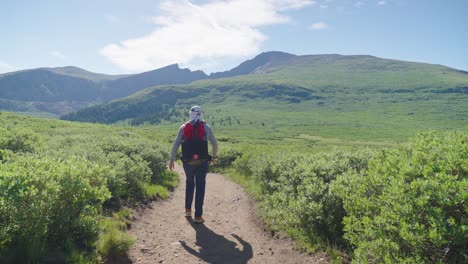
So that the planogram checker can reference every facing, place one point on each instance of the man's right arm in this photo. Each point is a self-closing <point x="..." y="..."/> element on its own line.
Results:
<point x="177" y="142"/>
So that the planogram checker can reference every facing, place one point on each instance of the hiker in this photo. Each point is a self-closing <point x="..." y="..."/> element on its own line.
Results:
<point x="194" y="136"/>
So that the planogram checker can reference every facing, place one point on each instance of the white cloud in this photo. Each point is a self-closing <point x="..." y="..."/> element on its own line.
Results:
<point x="57" y="54"/>
<point x="6" y="67"/>
<point x="188" y="32"/>
<point x="319" y="26"/>
<point x="381" y="3"/>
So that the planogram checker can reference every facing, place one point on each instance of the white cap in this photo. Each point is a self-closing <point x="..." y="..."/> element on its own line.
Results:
<point x="196" y="114"/>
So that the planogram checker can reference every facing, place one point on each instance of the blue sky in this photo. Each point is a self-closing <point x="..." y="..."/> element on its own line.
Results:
<point x="124" y="36"/>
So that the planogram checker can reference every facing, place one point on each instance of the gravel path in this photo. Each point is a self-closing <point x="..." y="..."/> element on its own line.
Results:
<point x="232" y="232"/>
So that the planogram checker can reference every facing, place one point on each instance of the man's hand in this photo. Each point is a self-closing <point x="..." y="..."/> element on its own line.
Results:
<point x="171" y="165"/>
<point x="213" y="162"/>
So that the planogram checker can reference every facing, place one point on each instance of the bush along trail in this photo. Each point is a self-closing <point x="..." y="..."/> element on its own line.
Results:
<point x="65" y="187"/>
<point x="405" y="204"/>
<point x="232" y="232"/>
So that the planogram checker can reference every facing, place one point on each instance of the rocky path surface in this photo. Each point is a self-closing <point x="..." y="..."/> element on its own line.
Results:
<point x="232" y="232"/>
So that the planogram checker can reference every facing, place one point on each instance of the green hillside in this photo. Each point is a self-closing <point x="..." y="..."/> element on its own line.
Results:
<point x="315" y="98"/>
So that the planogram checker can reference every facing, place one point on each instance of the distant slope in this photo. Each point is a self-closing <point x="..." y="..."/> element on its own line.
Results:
<point x="367" y="72"/>
<point x="362" y="94"/>
<point x="157" y="104"/>
<point x="62" y="90"/>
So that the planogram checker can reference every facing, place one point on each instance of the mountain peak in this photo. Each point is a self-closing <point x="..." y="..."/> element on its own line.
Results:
<point x="171" y="66"/>
<point x="74" y="71"/>
<point x="67" y="70"/>
<point x="173" y="69"/>
<point x="264" y="62"/>
<point x="274" y="54"/>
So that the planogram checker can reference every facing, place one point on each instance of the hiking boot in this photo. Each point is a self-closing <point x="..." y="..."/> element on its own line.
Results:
<point x="188" y="212"/>
<point x="199" y="220"/>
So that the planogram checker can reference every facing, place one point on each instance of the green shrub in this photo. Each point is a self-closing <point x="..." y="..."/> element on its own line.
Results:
<point x="6" y="154"/>
<point x="113" y="241"/>
<point x="156" y="157"/>
<point x="45" y="202"/>
<point x="19" y="140"/>
<point x="227" y="156"/>
<point x="55" y="180"/>
<point x="168" y="181"/>
<point x="128" y="177"/>
<point x="152" y="152"/>
<point x="295" y="191"/>
<point x="298" y="195"/>
<point x="242" y="163"/>
<point x="410" y="205"/>
<point x="134" y="162"/>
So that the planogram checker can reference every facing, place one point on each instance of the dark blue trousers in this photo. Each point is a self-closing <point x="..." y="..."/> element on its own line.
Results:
<point x="195" y="182"/>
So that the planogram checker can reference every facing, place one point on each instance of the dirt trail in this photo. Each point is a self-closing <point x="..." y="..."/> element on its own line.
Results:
<point x="231" y="233"/>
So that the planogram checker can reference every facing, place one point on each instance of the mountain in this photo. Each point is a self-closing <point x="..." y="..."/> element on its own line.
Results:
<point x="360" y="93"/>
<point x="57" y="91"/>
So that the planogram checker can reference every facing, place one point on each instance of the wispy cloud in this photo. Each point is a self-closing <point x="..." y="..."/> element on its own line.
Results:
<point x="6" y="67"/>
<point x="186" y="33"/>
<point x="381" y="3"/>
<point x="319" y="26"/>
<point x="57" y="54"/>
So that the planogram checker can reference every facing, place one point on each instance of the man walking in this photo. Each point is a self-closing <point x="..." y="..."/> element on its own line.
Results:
<point x="194" y="136"/>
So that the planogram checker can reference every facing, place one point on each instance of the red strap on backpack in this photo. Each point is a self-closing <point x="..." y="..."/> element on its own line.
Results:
<point x="189" y="131"/>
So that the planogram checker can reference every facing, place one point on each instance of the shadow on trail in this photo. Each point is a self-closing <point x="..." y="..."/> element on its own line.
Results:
<point x="125" y="259"/>
<point x="215" y="248"/>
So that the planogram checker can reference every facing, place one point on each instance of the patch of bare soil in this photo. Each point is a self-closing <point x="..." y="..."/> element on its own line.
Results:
<point x="232" y="232"/>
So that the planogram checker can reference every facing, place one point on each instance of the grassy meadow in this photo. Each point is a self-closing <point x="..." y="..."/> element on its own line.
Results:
<point x="311" y="127"/>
